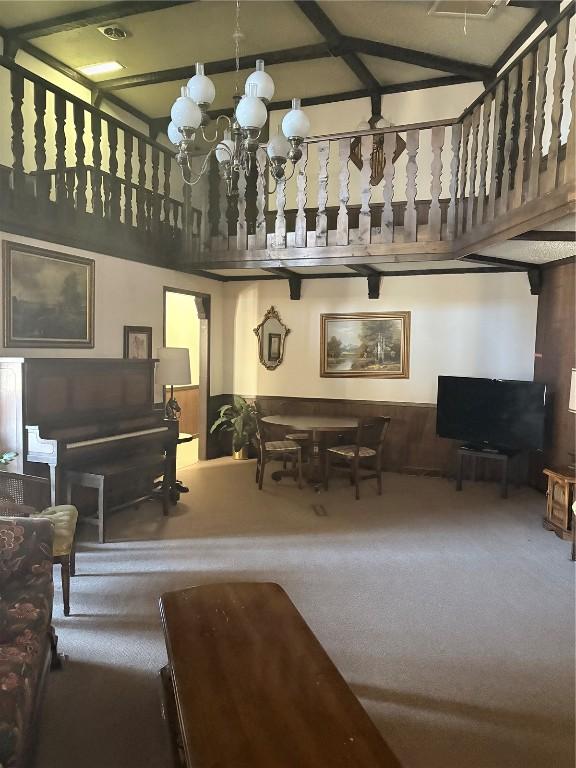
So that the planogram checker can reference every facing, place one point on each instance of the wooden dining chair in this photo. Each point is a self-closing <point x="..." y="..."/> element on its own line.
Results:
<point x="302" y="438"/>
<point x="367" y="447"/>
<point x="269" y="449"/>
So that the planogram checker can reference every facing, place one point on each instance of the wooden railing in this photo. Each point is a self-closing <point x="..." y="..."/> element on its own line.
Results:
<point x="428" y="188"/>
<point x="78" y="175"/>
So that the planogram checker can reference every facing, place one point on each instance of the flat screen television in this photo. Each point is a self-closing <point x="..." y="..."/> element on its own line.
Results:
<point x="491" y="413"/>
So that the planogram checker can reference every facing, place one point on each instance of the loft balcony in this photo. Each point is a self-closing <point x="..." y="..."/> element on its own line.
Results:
<point x="423" y="192"/>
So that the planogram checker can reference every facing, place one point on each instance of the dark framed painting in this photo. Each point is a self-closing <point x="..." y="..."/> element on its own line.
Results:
<point x="274" y="346"/>
<point x="137" y="342"/>
<point x="368" y="344"/>
<point x="48" y="298"/>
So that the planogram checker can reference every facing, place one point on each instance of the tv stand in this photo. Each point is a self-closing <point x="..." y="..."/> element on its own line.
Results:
<point x="484" y="453"/>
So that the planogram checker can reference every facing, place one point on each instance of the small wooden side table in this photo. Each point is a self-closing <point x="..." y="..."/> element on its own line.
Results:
<point x="559" y="500"/>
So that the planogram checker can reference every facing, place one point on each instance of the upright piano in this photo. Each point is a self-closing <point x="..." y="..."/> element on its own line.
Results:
<point x="68" y="412"/>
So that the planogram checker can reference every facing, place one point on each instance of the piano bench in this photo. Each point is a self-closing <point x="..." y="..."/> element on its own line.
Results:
<point x="117" y="479"/>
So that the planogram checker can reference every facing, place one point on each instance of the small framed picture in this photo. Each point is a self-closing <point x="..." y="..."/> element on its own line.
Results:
<point x="137" y="342"/>
<point x="274" y="345"/>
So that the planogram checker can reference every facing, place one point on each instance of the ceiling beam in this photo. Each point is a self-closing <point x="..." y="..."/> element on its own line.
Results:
<point x="161" y="123"/>
<point x="100" y="15"/>
<point x="547" y="236"/>
<point x="418" y="58"/>
<point x="545" y="14"/>
<point x="294" y="280"/>
<point x="325" y="26"/>
<point x="303" y="53"/>
<point x="373" y="276"/>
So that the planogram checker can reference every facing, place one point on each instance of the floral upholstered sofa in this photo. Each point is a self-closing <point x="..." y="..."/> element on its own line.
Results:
<point x="26" y="637"/>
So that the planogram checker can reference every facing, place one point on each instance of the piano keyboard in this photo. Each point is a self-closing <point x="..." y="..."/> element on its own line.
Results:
<point x="114" y="438"/>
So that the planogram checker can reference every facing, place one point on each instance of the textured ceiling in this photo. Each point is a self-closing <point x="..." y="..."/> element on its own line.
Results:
<point x="530" y="252"/>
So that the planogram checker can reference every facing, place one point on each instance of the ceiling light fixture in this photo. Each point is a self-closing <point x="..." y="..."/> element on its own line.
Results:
<point x="102" y="68"/>
<point x="236" y="149"/>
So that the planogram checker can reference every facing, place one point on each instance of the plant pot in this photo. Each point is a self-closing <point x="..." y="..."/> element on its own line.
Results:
<point x="240" y="455"/>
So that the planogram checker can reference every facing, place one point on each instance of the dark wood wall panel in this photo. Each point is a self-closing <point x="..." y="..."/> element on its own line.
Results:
<point x="555" y="356"/>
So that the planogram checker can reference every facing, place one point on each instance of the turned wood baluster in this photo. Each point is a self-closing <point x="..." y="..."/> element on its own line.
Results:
<point x="511" y="133"/>
<point x="497" y="133"/>
<point x="300" y="232"/>
<point x="342" y="222"/>
<point x="156" y="202"/>
<point x="96" y="127"/>
<point x="60" y="140"/>
<point x="454" y="173"/>
<point x="486" y="114"/>
<point x="463" y="172"/>
<point x="80" y="149"/>
<point x="241" y="228"/>
<point x="410" y="214"/>
<point x="280" y="224"/>
<point x="570" y="161"/>
<point x="42" y="178"/>
<point x="166" y="204"/>
<point x="141" y="188"/>
<point x="551" y="177"/>
<point x="387" y="217"/>
<point x="17" y="121"/>
<point x="223" y="219"/>
<point x="542" y="67"/>
<point x="321" y="217"/>
<point x="261" y="166"/>
<point x="364" y="220"/>
<point x="435" y="213"/>
<point x="473" y="168"/>
<point x="526" y="126"/>
<point x="113" y="165"/>
<point x="128" y="148"/>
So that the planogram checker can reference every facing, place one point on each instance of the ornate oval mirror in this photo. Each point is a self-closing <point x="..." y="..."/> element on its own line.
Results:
<point x="271" y="335"/>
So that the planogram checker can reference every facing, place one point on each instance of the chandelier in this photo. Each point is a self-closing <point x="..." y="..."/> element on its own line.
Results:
<point x="236" y="150"/>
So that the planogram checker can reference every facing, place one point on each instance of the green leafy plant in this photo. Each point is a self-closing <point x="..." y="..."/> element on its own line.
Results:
<point x="238" y="418"/>
<point x="7" y="457"/>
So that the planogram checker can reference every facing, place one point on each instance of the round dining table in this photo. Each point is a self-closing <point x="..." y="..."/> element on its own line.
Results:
<point x="315" y="426"/>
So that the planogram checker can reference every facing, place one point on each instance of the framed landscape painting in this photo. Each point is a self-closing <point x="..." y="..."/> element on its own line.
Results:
<point x="372" y="345"/>
<point x="48" y="298"/>
<point x="137" y="342"/>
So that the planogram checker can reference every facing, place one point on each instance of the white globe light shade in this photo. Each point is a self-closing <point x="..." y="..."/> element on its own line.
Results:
<point x="295" y="124"/>
<point x="201" y="89"/>
<point x="221" y="154"/>
<point x="174" y="134"/>
<point x="251" y="112"/>
<point x="264" y="85"/>
<point x="278" y="146"/>
<point x="185" y="113"/>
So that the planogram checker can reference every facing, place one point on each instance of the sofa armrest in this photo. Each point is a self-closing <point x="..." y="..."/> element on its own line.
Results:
<point x="25" y="548"/>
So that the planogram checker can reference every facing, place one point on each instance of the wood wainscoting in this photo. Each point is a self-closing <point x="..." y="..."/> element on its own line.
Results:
<point x="411" y="443"/>
<point x="188" y="398"/>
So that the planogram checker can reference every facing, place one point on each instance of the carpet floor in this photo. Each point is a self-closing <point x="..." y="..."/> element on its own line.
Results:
<point x="451" y="615"/>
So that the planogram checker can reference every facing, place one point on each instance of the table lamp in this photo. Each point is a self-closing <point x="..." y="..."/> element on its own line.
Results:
<point x="572" y="409"/>
<point x="173" y="368"/>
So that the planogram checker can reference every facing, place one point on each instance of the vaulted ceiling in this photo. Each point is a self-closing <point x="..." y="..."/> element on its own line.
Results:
<point x="320" y="51"/>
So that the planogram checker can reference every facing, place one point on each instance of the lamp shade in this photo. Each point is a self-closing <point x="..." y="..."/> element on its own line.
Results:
<point x="572" y="400"/>
<point x="173" y="366"/>
<point x="295" y="124"/>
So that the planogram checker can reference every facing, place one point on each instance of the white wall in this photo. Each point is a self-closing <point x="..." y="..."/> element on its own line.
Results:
<point x="464" y="325"/>
<point x="128" y="293"/>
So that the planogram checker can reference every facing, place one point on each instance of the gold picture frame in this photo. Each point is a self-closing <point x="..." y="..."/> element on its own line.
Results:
<point x="365" y="345"/>
<point x="48" y="298"/>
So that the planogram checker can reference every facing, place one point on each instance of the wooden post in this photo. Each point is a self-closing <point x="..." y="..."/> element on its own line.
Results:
<point x="42" y="179"/>
<point x="60" y="140"/>
<point x="486" y="114"/>
<point x="542" y="67"/>
<point x="387" y="217"/>
<point x="241" y="229"/>
<point x="435" y="213"/>
<point x="261" y="198"/>
<point x="473" y="168"/>
<point x="96" y="186"/>
<point x="166" y="194"/>
<point x="551" y="177"/>
<point x="463" y="172"/>
<point x="80" y="150"/>
<point x="141" y="190"/>
<point x="156" y="202"/>
<point x="454" y="173"/>
<point x="300" y="230"/>
<point x="17" y="124"/>
<point x="493" y="191"/>
<point x="526" y="128"/>
<point x="410" y="214"/>
<point x="113" y="165"/>
<point x="280" y="225"/>
<point x="510" y="135"/>
<point x="364" y="221"/>
<point x="321" y="217"/>
<point x="344" y="194"/>
<point x="128" y="149"/>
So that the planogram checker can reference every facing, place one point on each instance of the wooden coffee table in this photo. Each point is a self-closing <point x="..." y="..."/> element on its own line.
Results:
<point x="251" y="687"/>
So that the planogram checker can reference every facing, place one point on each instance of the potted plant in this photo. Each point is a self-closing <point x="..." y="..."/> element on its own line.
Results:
<point x="240" y="419"/>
